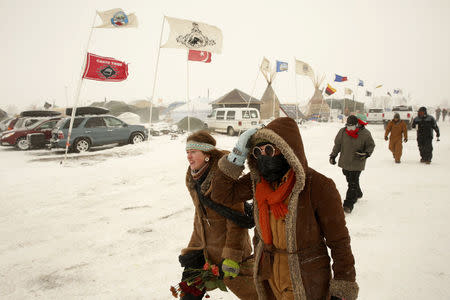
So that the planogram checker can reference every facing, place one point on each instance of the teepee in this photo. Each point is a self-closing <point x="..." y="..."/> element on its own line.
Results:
<point x="270" y="105"/>
<point x="317" y="106"/>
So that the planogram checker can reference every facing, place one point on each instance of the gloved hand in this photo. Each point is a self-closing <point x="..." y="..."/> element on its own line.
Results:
<point x="405" y="140"/>
<point x="240" y="150"/>
<point x="362" y="155"/>
<point x="437" y="139"/>
<point x="230" y="268"/>
<point x="336" y="298"/>
<point x="333" y="160"/>
<point x="386" y="138"/>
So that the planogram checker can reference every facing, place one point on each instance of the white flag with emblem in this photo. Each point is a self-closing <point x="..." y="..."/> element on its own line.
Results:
<point x="117" y="18"/>
<point x="185" y="34"/>
<point x="265" y="65"/>
<point x="302" y="68"/>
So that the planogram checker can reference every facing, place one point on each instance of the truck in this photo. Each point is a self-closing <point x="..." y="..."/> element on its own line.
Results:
<point x="406" y="114"/>
<point x="375" y="115"/>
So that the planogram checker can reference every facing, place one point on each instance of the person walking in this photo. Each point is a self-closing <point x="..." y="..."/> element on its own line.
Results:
<point x="444" y="114"/>
<point x="425" y="126"/>
<point x="298" y="214"/>
<point x="355" y="144"/>
<point x="398" y="130"/>
<point x="438" y="114"/>
<point x="220" y="234"/>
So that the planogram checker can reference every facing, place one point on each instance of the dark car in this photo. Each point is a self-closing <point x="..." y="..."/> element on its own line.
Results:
<point x="18" y="137"/>
<point x="96" y="130"/>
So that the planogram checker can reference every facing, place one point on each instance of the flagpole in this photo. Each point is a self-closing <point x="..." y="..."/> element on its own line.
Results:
<point x="187" y="90"/>
<point x="78" y="90"/>
<point x="251" y="95"/>
<point x="296" y="91"/>
<point x="156" y="74"/>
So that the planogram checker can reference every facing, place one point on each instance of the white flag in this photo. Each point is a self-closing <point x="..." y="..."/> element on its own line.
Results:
<point x="348" y="91"/>
<point x="265" y="65"/>
<point x="117" y="18"/>
<point x="185" y="34"/>
<point x="302" y="68"/>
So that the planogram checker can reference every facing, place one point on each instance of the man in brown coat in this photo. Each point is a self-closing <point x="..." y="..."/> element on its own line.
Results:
<point x="399" y="132"/>
<point x="297" y="213"/>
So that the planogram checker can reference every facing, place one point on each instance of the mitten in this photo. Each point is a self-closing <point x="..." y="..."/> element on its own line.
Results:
<point x="240" y="150"/>
<point x="230" y="268"/>
<point x="333" y="160"/>
<point x="386" y="138"/>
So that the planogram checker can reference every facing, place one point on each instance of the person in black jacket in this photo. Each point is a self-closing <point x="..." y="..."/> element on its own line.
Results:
<point x="426" y="124"/>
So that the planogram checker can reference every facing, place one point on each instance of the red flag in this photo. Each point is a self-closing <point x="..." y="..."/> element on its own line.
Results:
<point x="105" y="68"/>
<point x="203" y="56"/>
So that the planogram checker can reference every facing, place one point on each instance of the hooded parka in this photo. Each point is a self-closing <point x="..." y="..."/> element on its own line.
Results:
<point x="315" y="220"/>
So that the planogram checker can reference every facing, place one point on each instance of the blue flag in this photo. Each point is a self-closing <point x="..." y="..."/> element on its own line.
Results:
<point x="282" y="66"/>
<point x="339" y="78"/>
<point x="360" y="83"/>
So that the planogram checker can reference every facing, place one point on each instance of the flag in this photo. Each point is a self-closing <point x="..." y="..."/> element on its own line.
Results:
<point x="117" y="18"/>
<point x="340" y="78"/>
<point x="378" y="86"/>
<point x="360" y="83"/>
<point x="282" y="66"/>
<point x="265" y="65"/>
<point x="105" y="68"/>
<point x="368" y="94"/>
<point x="348" y="91"/>
<point x="329" y="90"/>
<point x="302" y="68"/>
<point x="389" y="94"/>
<point x="398" y="91"/>
<point x="203" y="56"/>
<point x="185" y="34"/>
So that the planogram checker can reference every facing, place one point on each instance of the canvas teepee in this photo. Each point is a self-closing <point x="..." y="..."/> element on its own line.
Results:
<point x="270" y="104"/>
<point x="317" y="106"/>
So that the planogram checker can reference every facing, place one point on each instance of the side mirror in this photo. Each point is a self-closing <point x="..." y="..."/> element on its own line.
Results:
<point x="125" y="125"/>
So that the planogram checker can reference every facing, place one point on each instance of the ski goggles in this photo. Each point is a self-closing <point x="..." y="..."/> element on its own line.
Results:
<point x="267" y="149"/>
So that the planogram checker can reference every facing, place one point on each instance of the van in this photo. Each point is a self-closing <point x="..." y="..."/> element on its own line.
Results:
<point x="232" y="120"/>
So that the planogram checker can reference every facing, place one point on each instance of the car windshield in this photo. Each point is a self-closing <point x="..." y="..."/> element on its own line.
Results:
<point x="375" y="110"/>
<point x="402" y="108"/>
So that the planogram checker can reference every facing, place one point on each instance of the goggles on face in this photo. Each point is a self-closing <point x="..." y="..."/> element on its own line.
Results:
<point x="267" y="149"/>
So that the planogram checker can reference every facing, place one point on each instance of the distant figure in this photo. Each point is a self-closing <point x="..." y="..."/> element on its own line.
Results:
<point x="444" y="114"/>
<point x="397" y="129"/>
<point x="426" y="125"/>
<point x="438" y="114"/>
<point x="355" y="144"/>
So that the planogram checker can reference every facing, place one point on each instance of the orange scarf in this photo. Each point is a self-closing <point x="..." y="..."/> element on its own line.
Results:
<point x="273" y="200"/>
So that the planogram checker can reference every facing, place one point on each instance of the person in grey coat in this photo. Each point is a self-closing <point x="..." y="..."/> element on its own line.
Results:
<point x="355" y="144"/>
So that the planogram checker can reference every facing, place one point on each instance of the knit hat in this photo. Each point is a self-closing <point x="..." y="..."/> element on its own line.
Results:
<point x="423" y="109"/>
<point x="352" y="120"/>
<point x="397" y="116"/>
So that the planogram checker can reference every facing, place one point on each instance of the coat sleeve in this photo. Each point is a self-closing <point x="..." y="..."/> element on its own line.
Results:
<point x="414" y="123"/>
<point x="388" y="129"/>
<point x="235" y="238"/>
<point x="405" y="130"/>
<point x="228" y="186"/>
<point x="332" y="222"/>
<point x="436" y="128"/>
<point x="337" y="144"/>
<point x="369" y="144"/>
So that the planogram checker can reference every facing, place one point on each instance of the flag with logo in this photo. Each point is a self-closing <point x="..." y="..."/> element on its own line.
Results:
<point x="282" y="66"/>
<point x="302" y="68"/>
<point x="348" y="91"/>
<point x="105" y="68"/>
<point x="360" y="83"/>
<point x="202" y="56"/>
<point x="368" y="94"/>
<point x="378" y="86"/>
<point x="117" y="18"/>
<point x="330" y="90"/>
<point x="339" y="78"/>
<point x="186" y="34"/>
<point x="265" y="65"/>
<point x="397" y="91"/>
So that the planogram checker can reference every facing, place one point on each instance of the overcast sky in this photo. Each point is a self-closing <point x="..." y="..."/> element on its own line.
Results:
<point x="400" y="44"/>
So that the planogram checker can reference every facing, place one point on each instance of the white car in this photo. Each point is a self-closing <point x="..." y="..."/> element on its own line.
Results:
<point x="375" y="115"/>
<point x="232" y="120"/>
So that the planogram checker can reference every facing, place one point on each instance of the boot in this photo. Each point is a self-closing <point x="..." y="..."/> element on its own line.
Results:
<point x="397" y="161"/>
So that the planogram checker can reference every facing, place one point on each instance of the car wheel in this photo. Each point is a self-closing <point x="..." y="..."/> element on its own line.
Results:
<point x="82" y="145"/>
<point x="136" y="138"/>
<point x="231" y="131"/>
<point x="22" y="144"/>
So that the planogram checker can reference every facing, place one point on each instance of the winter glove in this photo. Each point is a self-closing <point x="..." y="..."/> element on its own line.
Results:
<point x="230" y="268"/>
<point x="333" y="160"/>
<point x="405" y="140"/>
<point x="240" y="150"/>
<point x="362" y="155"/>
<point x="386" y="138"/>
<point x="437" y="139"/>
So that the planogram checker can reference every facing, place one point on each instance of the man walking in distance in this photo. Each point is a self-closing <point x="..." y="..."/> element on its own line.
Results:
<point x="426" y="124"/>
<point x="397" y="129"/>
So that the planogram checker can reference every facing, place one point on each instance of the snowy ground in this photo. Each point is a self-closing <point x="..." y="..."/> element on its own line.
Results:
<point x="110" y="224"/>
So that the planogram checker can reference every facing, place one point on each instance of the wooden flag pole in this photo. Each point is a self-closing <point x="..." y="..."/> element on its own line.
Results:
<point x="156" y="76"/>
<point x="78" y="90"/>
<point x="296" y="91"/>
<point x="187" y="91"/>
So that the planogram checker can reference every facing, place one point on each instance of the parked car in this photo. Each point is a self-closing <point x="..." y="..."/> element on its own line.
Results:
<point x="375" y="115"/>
<point x="406" y="114"/>
<point x="18" y="137"/>
<point x="232" y="120"/>
<point x="96" y="130"/>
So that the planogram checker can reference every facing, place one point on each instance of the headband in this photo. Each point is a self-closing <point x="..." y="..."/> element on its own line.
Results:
<point x="191" y="145"/>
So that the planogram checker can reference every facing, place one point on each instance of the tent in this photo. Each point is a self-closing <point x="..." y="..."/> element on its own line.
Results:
<point x="317" y="107"/>
<point x="236" y="98"/>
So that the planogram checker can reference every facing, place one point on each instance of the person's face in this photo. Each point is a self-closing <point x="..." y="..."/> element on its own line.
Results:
<point x="196" y="159"/>
<point x="421" y="114"/>
<point x="396" y="119"/>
